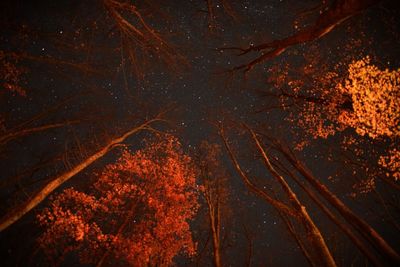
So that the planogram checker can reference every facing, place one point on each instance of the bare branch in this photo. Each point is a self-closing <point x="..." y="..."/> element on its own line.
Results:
<point x="340" y="11"/>
<point x="15" y="214"/>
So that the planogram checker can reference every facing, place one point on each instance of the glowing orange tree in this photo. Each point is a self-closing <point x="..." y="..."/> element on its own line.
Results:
<point x="375" y="97"/>
<point x="137" y="211"/>
<point x="358" y="95"/>
<point x="367" y="100"/>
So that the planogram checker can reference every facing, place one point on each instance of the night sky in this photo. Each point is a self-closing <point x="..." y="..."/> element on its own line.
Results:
<point x="75" y="71"/>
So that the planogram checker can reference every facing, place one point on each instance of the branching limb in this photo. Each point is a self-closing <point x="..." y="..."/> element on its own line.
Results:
<point x="15" y="214"/>
<point x="340" y="11"/>
<point x="275" y="203"/>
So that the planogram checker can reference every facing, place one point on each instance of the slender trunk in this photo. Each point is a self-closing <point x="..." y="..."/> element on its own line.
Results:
<point x="249" y="238"/>
<point x="4" y="139"/>
<point x="297" y="239"/>
<point x="322" y="255"/>
<point x="37" y="198"/>
<point x="200" y="252"/>
<point x="252" y="187"/>
<point x="364" y="249"/>
<point x="217" y="248"/>
<point x="365" y="229"/>
<point x="214" y="216"/>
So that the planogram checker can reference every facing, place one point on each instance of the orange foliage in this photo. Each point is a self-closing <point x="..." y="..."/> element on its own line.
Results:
<point x="375" y="97"/>
<point x="323" y="102"/>
<point x="10" y="79"/>
<point x="213" y="175"/>
<point x="391" y="163"/>
<point x="10" y="74"/>
<point x="137" y="212"/>
<point x="365" y="186"/>
<point x="318" y="101"/>
<point x="367" y="100"/>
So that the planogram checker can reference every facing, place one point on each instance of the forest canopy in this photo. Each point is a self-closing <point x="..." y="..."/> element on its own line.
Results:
<point x="200" y="133"/>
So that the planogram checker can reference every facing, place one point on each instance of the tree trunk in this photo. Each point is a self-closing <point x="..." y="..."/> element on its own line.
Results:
<point x="367" y="251"/>
<point x="252" y="187"/>
<point x="217" y="247"/>
<point x="296" y="237"/>
<point x="365" y="229"/>
<point x="37" y="198"/>
<point x="321" y="256"/>
<point x="214" y="216"/>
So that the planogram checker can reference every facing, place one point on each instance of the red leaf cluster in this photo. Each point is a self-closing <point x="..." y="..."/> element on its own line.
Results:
<point x="137" y="212"/>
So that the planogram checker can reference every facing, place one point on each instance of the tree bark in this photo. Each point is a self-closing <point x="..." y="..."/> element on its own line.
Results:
<point x="321" y="255"/>
<point x="215" y="217"/>
<point x="297" y="239"/>
<point x="365" y="229"/>
<point x="37" y="198"/>
<point x="216" y="240"/>
<point x="252" y="187"/>
<point x="340" y="11"/>
<point x="364" y="249"/>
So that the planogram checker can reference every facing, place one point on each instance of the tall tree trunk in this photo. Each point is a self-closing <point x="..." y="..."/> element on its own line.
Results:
<point x="364" y="228"/>
<point x="252" y="187"/>
<point x="215" y="217"/>
<point x="296" y="237"/>
<point x="321" y="255"/>
<point x="365" y="250"/>
<point x="37" y="198"/>
<point x="216" y="243"/>
<point x="249" y="238"/>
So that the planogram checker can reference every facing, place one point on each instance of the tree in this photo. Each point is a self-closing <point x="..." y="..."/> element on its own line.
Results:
<point x="357" y="222"/>
<point x="215" y="191"/>
<point x="375" y="99"/>
<point x="16" y="213"/>
<point x="335" y="15"/>
<point x="318" y="251"/>
<point x="366" y="100"/>
<point x="137" y="212"/>
<point x="141" y="42"/>
<point x="368" y="237"/>
<point x="346" y="229"/>
<point x="72" y="51"/>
